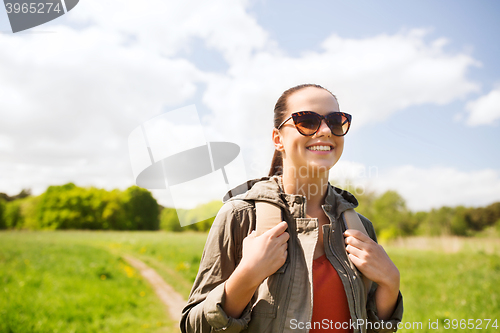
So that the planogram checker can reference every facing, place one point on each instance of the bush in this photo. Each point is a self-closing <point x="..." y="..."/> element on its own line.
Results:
<point x="169" y="220"/>
<point x="391" y="218"/>
<point x="72" y="207"/>
<point x="3" y="224"/>
<point x="28" y="207"/>
<point x="141" y="209"/>
<point x="12" y="214"/>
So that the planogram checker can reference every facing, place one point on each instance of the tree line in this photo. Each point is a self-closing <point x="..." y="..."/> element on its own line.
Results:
<point x="391" y="218"/>
<point x="71" y="207"/>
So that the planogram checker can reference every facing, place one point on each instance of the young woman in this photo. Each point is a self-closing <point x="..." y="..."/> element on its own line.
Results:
<point x="303" y="275"/>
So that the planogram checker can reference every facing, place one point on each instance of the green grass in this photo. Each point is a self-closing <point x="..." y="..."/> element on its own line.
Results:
<point x="53" y="281"/>
<point x="439" y="286"/>
<point x="175" y="256"/>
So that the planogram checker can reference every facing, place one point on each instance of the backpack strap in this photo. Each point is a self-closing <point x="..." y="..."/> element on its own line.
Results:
<point x="268" y="216"/>
<point x="352" y="221"/>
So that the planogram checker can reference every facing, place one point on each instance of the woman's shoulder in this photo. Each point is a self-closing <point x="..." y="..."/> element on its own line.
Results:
<point x="264" y="188"/>
<point x="237" y="209"/>
<point x="236" y="218"/>
<point x="235" y="206"/>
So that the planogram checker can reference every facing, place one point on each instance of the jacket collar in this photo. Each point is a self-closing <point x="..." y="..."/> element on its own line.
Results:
<point x="270" y="189"/>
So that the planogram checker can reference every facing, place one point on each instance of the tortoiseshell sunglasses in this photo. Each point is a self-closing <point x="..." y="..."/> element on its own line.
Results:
<point x="309" y="122"/>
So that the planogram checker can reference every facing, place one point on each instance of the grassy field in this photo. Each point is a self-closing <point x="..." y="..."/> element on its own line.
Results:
<point x="446" y="286"/>
<point x="76" y="281"/>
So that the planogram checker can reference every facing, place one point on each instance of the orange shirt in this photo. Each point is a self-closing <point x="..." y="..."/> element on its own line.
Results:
<point x="329" y="299"/>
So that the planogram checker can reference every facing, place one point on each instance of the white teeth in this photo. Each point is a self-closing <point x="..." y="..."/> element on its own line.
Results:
<point x="322" y="148"/>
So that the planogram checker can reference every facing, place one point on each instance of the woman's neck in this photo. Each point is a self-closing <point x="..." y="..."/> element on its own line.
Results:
<point x="313" y="186"/>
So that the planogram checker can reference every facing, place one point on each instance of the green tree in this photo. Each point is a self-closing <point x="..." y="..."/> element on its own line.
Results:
<point x="169" y="220"/>
<point x="458" y="223"/>
<point x="3" y="224"/>
<point x="417" y="220"/>
<point x="51" y="212"/>
<point x="23" y="194"/>
<point x="141" y="209"/>
<point x="72" y="207"/>
<point x="493" y="213"/>
<point x="113" y="215"/>
<point x="438" y="222"/>
<point x="391" y="217"/>
<point x="13" y="216"/>
<point x="28" y="208"/>
<point x="477" y="218"/>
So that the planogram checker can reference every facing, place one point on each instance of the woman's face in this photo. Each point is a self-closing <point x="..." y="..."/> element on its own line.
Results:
<point x="298" y="150"/>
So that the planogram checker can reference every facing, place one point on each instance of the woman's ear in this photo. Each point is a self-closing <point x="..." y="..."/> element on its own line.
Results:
<point x="278" y="144"/>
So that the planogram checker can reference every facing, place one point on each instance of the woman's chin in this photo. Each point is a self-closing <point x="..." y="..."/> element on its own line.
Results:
<point x="323" y="164"/>
<point x="318" y="169"/>
<point x="312" y="168"/>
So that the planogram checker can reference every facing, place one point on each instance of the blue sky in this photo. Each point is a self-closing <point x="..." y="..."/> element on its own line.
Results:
<point x="420" y="78"/>
<point x="424" y="135"/>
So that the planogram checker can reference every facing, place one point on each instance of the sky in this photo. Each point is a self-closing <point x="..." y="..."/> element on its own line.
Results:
<point x="420" y="78"/>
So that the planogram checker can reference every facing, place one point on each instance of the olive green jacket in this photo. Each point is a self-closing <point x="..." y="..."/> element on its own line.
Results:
<point x="283" y="301"/>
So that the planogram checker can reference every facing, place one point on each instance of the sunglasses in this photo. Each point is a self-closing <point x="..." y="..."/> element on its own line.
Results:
<point x="309" y="122"/>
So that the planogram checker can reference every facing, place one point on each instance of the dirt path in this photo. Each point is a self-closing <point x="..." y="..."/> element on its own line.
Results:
<point x="172" y="299"/>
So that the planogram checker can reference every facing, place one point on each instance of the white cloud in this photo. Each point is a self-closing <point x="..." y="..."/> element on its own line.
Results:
<point x="168" y="26"/>
<point x="6" y="143"/>
<point x="74" y="96"/>
<point x="372" y="78"/>
<point x="485" y="110"/>
<point x="68" y="100"/>
<point x="425" y="188"/>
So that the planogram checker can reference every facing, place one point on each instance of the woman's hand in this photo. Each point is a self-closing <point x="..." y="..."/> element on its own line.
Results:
<point x="372" y="260"/>
<point x="263" y="255"/>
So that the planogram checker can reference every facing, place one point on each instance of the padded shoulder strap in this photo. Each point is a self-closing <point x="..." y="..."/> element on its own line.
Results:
<point x="268" y="216"/>
<point x="352" y="221"/>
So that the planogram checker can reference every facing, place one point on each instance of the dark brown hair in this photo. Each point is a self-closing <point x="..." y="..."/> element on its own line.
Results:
<point x="280" y="111"/>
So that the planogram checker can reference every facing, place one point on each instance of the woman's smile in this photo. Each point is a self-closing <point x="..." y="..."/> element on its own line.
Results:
<point x="320" y="148"/>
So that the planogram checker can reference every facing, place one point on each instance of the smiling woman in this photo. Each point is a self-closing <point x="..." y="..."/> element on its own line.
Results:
<point x="306" y="270"/>
<point x="309" y="132"/>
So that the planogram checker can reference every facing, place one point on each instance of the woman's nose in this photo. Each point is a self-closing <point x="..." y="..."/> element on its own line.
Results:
<point x="324" y="129"/>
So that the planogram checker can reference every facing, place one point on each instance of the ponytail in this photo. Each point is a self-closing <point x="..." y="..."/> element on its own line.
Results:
<point x="276" y="164"/>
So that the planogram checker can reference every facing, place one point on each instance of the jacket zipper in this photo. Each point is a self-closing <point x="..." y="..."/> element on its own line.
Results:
<point x="348" y="275"/>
